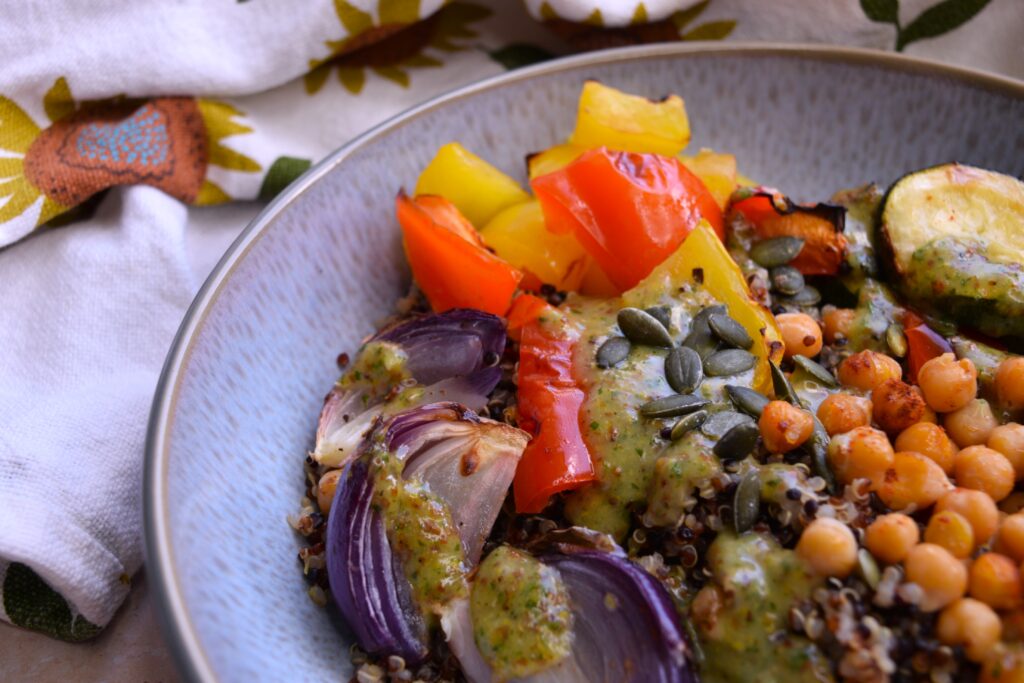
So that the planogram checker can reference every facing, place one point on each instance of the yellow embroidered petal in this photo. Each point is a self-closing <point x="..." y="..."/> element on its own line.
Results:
<point x="393" y="74"/>
<point x="229" y="158"/>
<point x="21" y="196"/>
<point x="11" y="166"/>
<point x="639" y="15"/>
<point x="49" y="210"/>
<point x="547" y="12"/>
<point x="353" y="78"/>
<point x="595" y="18"/>
<point x="218" y="119"/>
<point x="315" y="79"/>
<point x="684" y="17"/>
<point x="57" y="102"/>
<point x="211" y="193"/>
<point x="17" y="129"/>
<point x="352" y="18"/>
<point x="399" y="11"/>
<point x="713" y="30"/>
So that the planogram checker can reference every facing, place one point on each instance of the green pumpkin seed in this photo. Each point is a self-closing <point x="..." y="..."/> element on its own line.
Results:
<point x="746" y="503"/>
<point x="663" y="314"/>
<point x="613" y="352"/>
<point x="896" y="340"/>
<point x="749" y="401"/>
<point x="671" y="406"/>
<point x="777" y="251"/>
<point x="721" y="422"/>
<point x="867" y="568"/>
<point x="815" y="370"/>
<point x="687" y="423"/>
<point x="683" y="369"/>
<point x="808" y="296"/>
<point x="640" y="327"/>
<point x="700" y="338"/>
<point x="784" y="390"/>
<point x="738" y="442"/>
<point x="817" y="446"/>
<point x="729" y="362"/>
<point x="730" y="331"/>
<point x="786" y="280"/>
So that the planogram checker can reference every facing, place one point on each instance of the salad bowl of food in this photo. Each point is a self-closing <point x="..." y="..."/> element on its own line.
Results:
<point x="659" y="364"/>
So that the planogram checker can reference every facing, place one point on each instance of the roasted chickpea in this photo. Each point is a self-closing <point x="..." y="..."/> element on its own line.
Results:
<point x="706" y="606"/>
<point x="1010" y="537"/>
<point x="837" y="323"/>
<point x="784" y="426"/>
<point x="984" y="469"/>
<point x="1010" y="383"/>
<point x="995" y="580"/>
<point x="952" y="531"/>
<point x="890" y="537"/>
<point x="800" y="333"/>
<point x="972" y="624"/>
<point x="828" y="547"/>
<point x="896" y="405"/>
<point x="862" y="452"/>
<point x="940" y="575"/>
<point x="1008" y="439"/>
<point x="842" y="412"/>
<point x="868" y="369"/>
<point x="325" y="490"/>
<point x="948" y="383"/>
<point x="972" y="424"/>
<point x="912" y="480"/>
<point x="929" y="415"/>
<point x="979" y="509"/>
<point x="931" y="441"/>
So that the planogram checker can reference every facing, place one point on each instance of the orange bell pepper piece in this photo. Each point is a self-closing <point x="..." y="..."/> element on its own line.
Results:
<point x="824" y="243"/>
<point x="549" y="401"/>
<point x="449" y="260"/>
<point x="628" y="210"/>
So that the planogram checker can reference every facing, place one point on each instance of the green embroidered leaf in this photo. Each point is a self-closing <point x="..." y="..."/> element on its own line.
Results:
<point x="282" y="172"/>
<point x="713" y="30"/>
<point x="883" y="11"/>
<point x="32" y="604"/>
<point x="520" y="54"/>
<point x="939" y="19"/>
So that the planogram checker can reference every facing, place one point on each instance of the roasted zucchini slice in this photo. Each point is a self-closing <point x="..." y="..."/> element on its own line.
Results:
<point x="952" y="238"/>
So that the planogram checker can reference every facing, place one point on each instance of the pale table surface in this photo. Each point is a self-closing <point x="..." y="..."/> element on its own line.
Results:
<point x="130" y="650"/>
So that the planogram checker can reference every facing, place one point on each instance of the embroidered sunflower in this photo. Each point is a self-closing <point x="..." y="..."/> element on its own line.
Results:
<point x="393" y="44"/>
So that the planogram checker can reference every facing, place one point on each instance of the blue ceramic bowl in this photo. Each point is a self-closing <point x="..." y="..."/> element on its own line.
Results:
<point x="236" y="408"/>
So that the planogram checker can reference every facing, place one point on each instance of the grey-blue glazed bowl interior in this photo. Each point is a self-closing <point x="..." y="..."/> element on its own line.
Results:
<point x="237" y="405"/>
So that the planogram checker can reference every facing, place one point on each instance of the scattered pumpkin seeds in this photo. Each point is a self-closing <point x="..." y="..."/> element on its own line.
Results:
<point x="777" y="251"/>
<point x="683" y="369"/>
<point x="746" y="504"/>
<point x="867" y="568"/>
<point x="787" y="280"/>
<point x="738" y="442"/>
<point x="687" y="423"/>
<point x="612" y="352"/>
<point x="808" y="296"/>
<point x="671" y="406"/>
<point x="817" y="446"/>
<point x="663" y="314"/>
<point x="730" y="331"/>
<point x="721" y="422"/>
<point x="701" y="339"/>
<point x="640" y="327"/>
<point x="896" y="340"/>
<point x="815" y="370"/>
<point x="746" y="399"/>
<point x="784" y="390"/>
<point x="729" y="362"/>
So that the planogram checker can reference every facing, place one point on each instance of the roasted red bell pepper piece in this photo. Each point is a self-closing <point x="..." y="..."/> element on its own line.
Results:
<point x="923" y="344"/>
<point x="549" y="401"/>
<point x="821" y="226"/>
<point x="449" y="260"/>
<point x="628" y="210"/>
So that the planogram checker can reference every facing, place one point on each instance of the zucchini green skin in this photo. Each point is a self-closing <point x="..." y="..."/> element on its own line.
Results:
<point x="951" y="240"/>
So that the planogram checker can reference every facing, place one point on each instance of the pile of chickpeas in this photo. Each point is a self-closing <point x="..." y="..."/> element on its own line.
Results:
<point x="931" y="446"/>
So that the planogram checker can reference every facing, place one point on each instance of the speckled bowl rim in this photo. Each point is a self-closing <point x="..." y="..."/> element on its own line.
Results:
<point x="179" y="632"/>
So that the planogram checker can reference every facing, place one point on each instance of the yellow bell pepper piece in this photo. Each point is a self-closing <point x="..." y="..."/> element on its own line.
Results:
<point x="477" y="189"/>
<point x="552" y="159"/>
<point x="518" y="235"/>
<point x="717" y="171"/>
<point x="724" y="280"/>
<point x="596" y="283"/>
<point x="607" y="117"/>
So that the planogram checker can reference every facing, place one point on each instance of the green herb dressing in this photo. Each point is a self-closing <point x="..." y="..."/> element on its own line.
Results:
<point x="759" y="581"/>
<point x="377" y="369"/>
<point x="522" y="620"/>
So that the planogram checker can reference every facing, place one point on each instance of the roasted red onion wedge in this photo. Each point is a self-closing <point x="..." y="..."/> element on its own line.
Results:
<point x="449" y="356"/>
<point x="624" y="627"/>
<point x="410" y="515"/>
